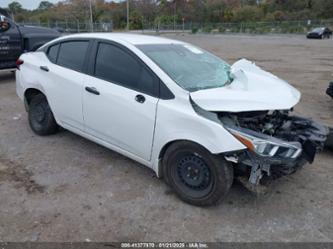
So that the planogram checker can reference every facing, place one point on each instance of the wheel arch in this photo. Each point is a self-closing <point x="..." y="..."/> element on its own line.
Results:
<point x="165" y="148"/>
<point x="29" y="93"/>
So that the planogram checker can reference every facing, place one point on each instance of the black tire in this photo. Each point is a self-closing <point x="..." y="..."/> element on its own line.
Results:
<point x="41" y="118"/>
<point x="197" y="176"/>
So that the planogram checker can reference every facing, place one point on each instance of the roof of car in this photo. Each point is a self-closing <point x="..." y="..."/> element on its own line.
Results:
<point x="135" y="39"/>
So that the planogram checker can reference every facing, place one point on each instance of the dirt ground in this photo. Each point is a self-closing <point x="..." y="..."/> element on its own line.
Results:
<point x="66" y="188"/>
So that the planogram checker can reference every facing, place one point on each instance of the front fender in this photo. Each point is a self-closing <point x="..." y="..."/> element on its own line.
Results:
<point x="175" y="124"/>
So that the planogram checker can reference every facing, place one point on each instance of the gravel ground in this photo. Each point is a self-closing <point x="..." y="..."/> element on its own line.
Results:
<point x="66" y="188"/>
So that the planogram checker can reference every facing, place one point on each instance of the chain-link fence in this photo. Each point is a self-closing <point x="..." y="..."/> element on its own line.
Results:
<point x="300" y="27"/>
<point x="241" y="27"/>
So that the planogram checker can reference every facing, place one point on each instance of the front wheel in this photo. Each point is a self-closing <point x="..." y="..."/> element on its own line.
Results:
<point x="197" y="176"/>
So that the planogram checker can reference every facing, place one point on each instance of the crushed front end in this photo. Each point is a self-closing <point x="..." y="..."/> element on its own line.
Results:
<point x="278" y="143"/>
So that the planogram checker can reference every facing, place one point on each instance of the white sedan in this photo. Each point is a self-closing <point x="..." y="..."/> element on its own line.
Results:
<point x="196" y="121"/>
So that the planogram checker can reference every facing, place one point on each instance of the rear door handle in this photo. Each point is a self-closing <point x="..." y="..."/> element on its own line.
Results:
<point x="44" y="68"/>
<point x="92" y="90"/>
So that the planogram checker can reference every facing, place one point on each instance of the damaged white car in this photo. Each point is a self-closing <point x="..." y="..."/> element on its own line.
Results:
<point x="185" y="113"/>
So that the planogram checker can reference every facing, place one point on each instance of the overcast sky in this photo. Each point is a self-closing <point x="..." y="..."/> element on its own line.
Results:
<point x="27" y="4"/>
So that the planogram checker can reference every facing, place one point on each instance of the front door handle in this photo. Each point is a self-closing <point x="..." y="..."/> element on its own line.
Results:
<point x="140" y="98"/>
<point x="44" y="68"/>
<point x="92" y="90"/>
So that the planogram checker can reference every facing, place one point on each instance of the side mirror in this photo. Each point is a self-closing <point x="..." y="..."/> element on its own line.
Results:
<point x="4" y="24"/>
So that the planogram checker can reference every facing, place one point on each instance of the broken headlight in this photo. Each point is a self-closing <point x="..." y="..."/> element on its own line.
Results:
<point x="267" y="146"/>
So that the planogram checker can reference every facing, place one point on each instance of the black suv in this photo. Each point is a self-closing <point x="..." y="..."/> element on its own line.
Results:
<point x="319" y="33"/>
<point x="17" y="39"/>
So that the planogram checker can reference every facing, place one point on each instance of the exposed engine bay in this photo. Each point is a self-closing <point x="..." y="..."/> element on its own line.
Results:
<point x="278" y="143"/>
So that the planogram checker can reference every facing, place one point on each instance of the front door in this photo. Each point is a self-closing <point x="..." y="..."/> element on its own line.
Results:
<point x="119" y="100"/>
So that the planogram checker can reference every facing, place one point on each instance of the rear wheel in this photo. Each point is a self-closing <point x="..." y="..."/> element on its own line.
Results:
<point x="197" y="176"/>
<point x="41" y="118"/>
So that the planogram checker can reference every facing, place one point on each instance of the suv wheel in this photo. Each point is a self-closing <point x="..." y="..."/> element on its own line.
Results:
<point x="41" y="118"/>
<point x="197" y="176"/>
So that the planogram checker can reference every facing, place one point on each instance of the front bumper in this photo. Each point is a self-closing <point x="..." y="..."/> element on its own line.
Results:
<point x="257" y="168"/>
<point x="312" y="137"/>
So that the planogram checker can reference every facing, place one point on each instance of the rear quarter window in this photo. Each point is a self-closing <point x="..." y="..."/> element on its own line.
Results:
<point x="52" y="53"/>
<point x="72" y="54"/>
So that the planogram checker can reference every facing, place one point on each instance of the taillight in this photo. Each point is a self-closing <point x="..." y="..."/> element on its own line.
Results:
<point x="19" y="62"/>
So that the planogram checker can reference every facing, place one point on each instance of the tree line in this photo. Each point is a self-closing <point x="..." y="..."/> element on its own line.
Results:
<point x="174" y="11"/>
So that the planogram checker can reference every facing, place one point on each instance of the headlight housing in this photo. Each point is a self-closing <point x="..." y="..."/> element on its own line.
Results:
<point x="267" y="146"/>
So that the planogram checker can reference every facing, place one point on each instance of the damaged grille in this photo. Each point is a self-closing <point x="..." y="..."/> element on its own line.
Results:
<point x="280" y="124"/>
<point x="288" y="129"/>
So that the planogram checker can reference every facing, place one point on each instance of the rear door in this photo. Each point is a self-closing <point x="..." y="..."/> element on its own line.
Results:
<point x="10" y="46"/>
<point x="63" y="77"/>
<point x="120" y="100"/>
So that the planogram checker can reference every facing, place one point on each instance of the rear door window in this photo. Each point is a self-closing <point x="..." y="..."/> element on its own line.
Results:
<point x="72" y="54"/>
<point x="116" y="65"/>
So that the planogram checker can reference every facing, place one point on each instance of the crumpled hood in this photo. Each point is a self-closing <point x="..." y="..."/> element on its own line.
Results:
<point x="252" y="89"/>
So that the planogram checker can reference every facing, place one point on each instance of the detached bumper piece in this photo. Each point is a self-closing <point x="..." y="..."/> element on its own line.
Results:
<point x="329" y="141"/>
<point x="259" y="169"/>
<point x="329" y="90"/>
<point x="310" y="134"/>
